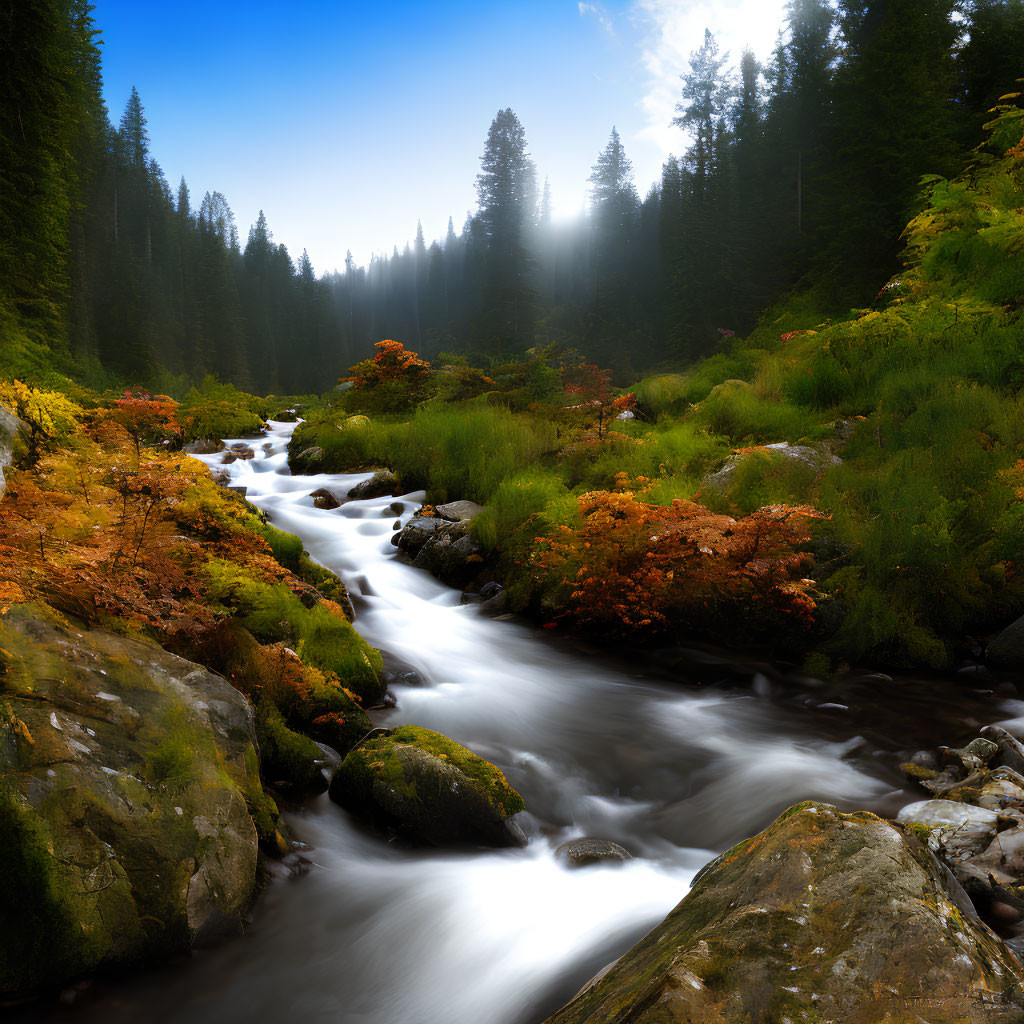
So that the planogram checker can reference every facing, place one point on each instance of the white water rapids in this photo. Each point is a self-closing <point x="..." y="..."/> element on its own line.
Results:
<point x="378" y="934"/>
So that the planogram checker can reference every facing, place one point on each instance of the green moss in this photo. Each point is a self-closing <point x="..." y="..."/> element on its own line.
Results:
<point x="332" y="644"/>
<point x="173" y="762"/>
<point x="285" y="755"/>
<point x="126" y="674"/>
<point x="921" y="831"/>
<point x="491" y="779"/>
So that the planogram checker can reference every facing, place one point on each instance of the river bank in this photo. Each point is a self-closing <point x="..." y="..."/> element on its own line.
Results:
<point x="597" y="745"/>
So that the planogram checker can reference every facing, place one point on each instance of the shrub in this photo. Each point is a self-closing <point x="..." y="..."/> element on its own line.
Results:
<point x="219" y="410"/>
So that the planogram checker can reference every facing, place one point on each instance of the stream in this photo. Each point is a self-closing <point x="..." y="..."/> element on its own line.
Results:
<point x="625" y="747"/>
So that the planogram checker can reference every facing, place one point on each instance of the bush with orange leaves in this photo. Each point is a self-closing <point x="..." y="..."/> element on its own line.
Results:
<point x="391" y="362"/>
<point x="147" y="418"/>
<point x="631" y="569"/>
<point x="392" y="381"/>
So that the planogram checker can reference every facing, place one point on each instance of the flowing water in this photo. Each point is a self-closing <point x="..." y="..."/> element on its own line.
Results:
<point x="624" y="748"/>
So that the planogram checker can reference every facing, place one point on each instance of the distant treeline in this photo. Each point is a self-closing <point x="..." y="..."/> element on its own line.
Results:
<point x="799" y="172"/>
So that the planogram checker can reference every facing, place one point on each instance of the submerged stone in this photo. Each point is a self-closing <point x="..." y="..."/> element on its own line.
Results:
<point x="822" y="917"/>
<point x="324" y="499"/>
<point x="578" y="853"/>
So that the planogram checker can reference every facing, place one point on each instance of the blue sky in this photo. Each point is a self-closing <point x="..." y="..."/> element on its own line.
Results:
<point x="347" y="122"/>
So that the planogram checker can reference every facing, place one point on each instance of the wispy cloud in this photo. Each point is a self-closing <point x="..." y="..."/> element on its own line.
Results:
<point x="672" y="29"/>
<point x="598" y="12"/>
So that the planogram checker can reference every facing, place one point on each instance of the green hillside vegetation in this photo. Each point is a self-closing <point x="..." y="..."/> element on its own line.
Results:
<point x="918" y="395"/>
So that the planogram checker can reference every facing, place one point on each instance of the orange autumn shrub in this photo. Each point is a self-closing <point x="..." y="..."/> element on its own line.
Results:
<point x="391" y="362"/>
<point x="635" y="569"/>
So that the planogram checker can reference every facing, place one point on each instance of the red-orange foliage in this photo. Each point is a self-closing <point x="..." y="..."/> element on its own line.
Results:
<point x="587" y="384"/>
<point x="392" y="362"/>
<point x="147" y="418"/>
<point x="635" y="568"/>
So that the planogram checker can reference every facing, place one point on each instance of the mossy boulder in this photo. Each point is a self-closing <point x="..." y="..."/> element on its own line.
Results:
<point x="812" y="459"/>
<point x="822" y="917"/>
<point x="428" y="787"/>
<point x="355" y="423"/>
<point x="129" y="785"/>
<point x="380" y="485"/>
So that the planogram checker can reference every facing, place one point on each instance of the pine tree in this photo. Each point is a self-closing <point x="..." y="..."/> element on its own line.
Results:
<point x="506" y="190"/>
<point x="893" y="122"/>
<point x="991" y="62"/>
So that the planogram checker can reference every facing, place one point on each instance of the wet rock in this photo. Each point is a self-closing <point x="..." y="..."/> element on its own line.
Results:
<point x="823" y="916"/>
<point x="1011" y="750"/>
<point x="975" y="755"/>
<point x="416" y="533"/>
<point x="443" y="547"/>
<point x="495" y="605"/>
<point x="955" y="830"/>
<point x="130" y="788"/>
<point x="10" y="428"/>
<point x="458" y="511"/>
<point x="204" y="446"/>
<point x="428" y="787"/>
<point x="578" y="853"/>
<point x="451" y="555"/>
<point x="381" y="484"/>
<point x="324" y="498"/>
<point x="228" y="458"/>
<point x="1007" y="649"/>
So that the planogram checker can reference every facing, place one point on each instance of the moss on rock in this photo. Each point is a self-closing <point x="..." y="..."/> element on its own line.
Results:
<point x="429" y="787"/>
<point x="125" y="829"/>
<point x="287" y="757"/>
<point x="824" y="916"/>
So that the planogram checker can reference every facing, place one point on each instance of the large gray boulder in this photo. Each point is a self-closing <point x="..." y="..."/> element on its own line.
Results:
<point x="10" y="427"/>
<point x="824" y="917"/>
<point x="129" y="781"/>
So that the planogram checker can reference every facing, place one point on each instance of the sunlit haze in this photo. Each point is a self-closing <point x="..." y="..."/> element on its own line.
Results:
<point x="348" y="123"/>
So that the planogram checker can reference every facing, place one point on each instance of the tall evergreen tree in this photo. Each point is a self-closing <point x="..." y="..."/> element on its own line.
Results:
<point x="893" y="122"/>
<point x="506" y="190"/>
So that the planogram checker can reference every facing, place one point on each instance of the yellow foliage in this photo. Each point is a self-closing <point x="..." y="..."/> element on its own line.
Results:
<point x="47" y="413"/>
